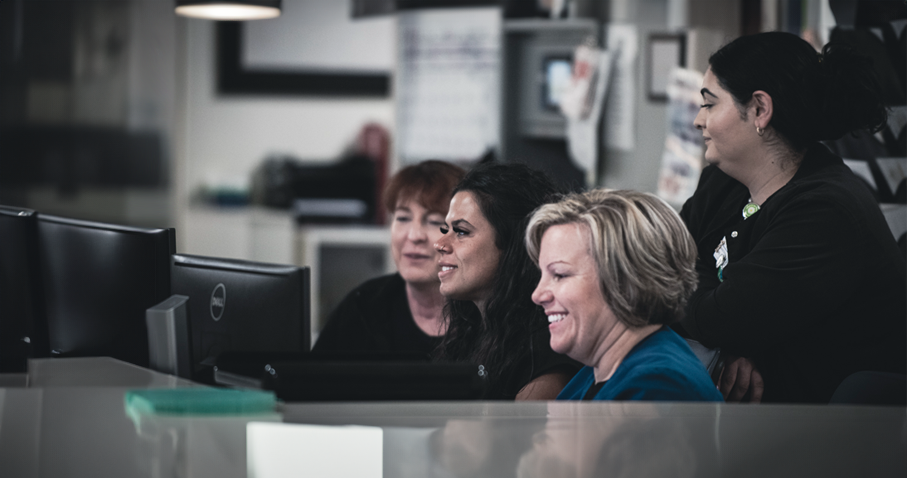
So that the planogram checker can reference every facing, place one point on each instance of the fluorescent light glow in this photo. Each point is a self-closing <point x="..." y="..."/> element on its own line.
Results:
<point x="227" y="11"/>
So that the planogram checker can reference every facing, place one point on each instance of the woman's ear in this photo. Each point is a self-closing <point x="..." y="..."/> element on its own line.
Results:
<point x="762" y="104"/>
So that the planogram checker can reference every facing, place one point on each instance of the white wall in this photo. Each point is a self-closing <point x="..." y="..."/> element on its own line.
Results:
<point x="639" y="169"/>
<point x="224" y="138"/>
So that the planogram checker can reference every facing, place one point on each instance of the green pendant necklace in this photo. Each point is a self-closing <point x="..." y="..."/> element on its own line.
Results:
<point x="750" y="209"/>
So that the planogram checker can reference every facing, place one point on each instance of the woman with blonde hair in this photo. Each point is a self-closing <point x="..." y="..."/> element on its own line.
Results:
<point x="617" y="269"/>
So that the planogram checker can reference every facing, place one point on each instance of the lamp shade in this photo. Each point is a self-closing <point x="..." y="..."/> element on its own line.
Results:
<point x="229" y="9"/>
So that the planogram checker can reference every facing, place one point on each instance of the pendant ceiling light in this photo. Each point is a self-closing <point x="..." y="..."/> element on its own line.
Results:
<point x="228" y="10"/>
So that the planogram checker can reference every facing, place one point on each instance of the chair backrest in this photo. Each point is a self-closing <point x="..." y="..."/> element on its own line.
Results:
<point x="872" y="388"/>
<point x="23" y="325"/>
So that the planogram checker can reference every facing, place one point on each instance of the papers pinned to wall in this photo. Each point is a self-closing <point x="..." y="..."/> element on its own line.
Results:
<point x="681" y="161"/>
<point x="448" y="83"/>
<point x="582" y="104"/>
<point x="620" y="110"/>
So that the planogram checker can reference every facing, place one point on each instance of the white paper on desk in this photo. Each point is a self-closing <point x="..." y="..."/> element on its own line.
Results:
<point x="448" y="83"/>
<point x="278" y="450"/>
<point x="620" y="109"/>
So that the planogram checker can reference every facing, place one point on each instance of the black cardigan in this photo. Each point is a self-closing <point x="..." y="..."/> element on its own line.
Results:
<point x="815" y="288"/>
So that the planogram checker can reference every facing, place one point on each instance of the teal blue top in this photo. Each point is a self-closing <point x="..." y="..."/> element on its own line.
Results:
<point x="661" y="367"/>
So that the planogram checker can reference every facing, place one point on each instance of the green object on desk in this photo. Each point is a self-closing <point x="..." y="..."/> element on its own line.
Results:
<point x="199" y="401"/>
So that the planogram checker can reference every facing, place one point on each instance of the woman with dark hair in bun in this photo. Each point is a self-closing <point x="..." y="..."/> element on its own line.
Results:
<point x="801" y="282"/>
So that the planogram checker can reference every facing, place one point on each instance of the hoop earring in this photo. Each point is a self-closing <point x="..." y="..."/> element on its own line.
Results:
<point x="760" y="131"/>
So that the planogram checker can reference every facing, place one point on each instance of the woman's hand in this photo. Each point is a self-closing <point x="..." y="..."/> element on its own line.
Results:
<point x="740" y="381"/>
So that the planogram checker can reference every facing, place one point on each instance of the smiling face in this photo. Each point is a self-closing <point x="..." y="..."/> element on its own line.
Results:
<point x="729" y="139"/>
<point x="578" y="316"/>
<point x="414" y="230"/>
<point x="469" y="257"/>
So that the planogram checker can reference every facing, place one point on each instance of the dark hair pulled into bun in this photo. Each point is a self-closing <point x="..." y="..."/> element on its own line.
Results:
<point x="852" y="92"/>
<point x="815" y="96"/>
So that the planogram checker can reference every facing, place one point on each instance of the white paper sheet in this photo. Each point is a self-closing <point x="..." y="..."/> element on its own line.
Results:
<point x="278" y="450"/>
<point x="447" y="86"/>
<point x="583" y="132"/>
<point x="620" y="109"/>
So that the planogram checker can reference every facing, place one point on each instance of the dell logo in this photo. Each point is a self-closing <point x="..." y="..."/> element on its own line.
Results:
<point x="218" y="301"/>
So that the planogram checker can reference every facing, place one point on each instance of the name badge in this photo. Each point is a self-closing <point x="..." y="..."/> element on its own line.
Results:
<point x="721" y="257"/>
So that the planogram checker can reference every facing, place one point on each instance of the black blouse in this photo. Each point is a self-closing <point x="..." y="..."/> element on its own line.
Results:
<point x="815" y="286"/>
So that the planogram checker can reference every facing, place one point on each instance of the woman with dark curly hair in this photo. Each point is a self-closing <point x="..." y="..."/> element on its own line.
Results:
<point x="801" y="283"/>
<point x="488" y="278"/>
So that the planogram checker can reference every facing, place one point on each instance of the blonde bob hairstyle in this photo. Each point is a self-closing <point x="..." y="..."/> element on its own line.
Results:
<point x="643" y="253"/>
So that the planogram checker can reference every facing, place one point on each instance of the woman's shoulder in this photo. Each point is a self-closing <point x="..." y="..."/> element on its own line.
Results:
<point x="825" y="183"/>
<point x="362" y="316"/>
<point x="378" y="287"/>
<point x="663" y="368"/>
<point x="663" y="348"/>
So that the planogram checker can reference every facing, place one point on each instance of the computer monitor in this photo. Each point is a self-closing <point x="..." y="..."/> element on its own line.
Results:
<point x="98" y="280"/>
<point x="241" y="306"/>
<point x="557" y="74"/>
<point x="23" y="326"/>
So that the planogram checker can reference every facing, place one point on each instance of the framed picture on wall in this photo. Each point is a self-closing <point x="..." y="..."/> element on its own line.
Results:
<point x="666" y="51"/>
<point x="312" y="49"/>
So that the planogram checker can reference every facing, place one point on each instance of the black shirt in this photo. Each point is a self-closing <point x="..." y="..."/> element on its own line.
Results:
<point x="815" y="286"/>
<point x="375" y="319"/>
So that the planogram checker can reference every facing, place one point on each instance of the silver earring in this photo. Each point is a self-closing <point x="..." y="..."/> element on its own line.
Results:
<point x="759" y="131"/>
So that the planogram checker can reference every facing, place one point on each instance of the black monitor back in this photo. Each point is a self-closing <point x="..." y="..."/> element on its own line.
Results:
<point x="98" y="280"/>
<point x="23" y="326"/>
<point x="241" y="306"/>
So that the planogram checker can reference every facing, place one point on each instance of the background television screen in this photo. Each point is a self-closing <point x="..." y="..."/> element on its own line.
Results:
<point x="98" y="280"/>
<point x="557" y="74"/>
<point x="241" y="306"/>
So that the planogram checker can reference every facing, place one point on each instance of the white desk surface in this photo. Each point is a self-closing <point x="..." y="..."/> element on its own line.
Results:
<point x="74" y="424"/>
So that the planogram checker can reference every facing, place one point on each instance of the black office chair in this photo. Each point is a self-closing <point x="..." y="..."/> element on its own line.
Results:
<point x="872" y="388"/>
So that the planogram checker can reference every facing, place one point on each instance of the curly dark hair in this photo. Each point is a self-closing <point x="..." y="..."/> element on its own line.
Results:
<point x="506" y="194"/>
